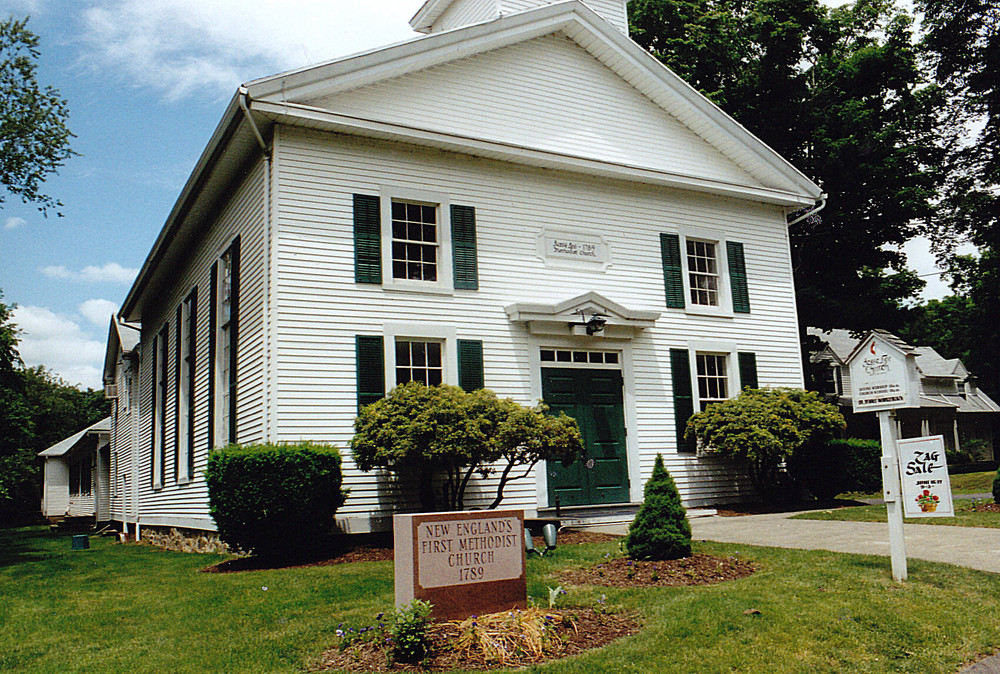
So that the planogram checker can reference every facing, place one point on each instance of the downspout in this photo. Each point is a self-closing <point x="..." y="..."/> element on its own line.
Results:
<point x="243" y="97"/>
<point x="816" y="209"/>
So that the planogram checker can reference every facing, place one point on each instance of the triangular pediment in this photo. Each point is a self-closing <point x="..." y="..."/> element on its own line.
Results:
<point x="555" y="86"/>
<point x="571" y="316"/>
<point x="545" y="94"/>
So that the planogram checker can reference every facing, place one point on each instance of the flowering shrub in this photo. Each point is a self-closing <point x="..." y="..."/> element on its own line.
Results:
<point x="403" y="632"/>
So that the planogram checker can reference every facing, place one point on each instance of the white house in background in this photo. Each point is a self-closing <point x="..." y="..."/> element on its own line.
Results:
<point x="522" y="199"/>
<point x="76" y="475"/>
<point x="951" y="404"/>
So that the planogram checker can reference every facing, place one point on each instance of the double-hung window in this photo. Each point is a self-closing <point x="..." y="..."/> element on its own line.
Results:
<point x="223" y="339"/>
<point x="713" y="378"/>
<point x="159" y="415"/>
<point x="419" y="361"/>
<point x="703" y="374"/>
<point x="407" y="239"/>
<point x="186" y="326"/>
<point x="415" y="242"/>
<point x="705" y="273"/>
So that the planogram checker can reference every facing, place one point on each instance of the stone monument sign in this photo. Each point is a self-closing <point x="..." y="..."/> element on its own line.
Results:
<point x="464" y="563"/>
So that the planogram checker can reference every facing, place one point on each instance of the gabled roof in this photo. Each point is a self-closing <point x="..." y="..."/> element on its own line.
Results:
<point x="64" y="447"/>
<point x="122" y="339"/>
<point x="285" y="98"/>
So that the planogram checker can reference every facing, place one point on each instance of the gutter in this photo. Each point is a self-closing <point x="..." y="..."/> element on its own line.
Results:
<point x="244" y="98"/>
<point x="816" y="209"/>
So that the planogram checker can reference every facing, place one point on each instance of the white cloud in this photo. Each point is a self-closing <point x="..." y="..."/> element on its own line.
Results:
<point x="920" y="259"/>
<point x="99" y="312"/>
<point x="178" y="47"/>
<point x="13" y="222"/>
<point x="60" y="344"/>
<point x="112" y="272"/>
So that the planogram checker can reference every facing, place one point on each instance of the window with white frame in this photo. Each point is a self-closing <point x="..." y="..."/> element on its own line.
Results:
<point x="703" y="272"/>
<point x="713" y="378"/>
<point x="185" y="385"/>
<point x="415" y="241"/>
<point x="223" y="346"/>
<point x="419" y="360"/>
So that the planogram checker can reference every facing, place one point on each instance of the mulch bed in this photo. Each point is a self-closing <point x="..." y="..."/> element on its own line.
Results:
<point x="590" y="630"/>
<point x="984" y="507"/>
<point x="698" y="569"/>
<point x="376" y="553"/>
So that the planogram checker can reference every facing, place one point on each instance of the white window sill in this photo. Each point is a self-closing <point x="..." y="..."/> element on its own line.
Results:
<point x="417" y="287"/>
<point x="704" y="310"/>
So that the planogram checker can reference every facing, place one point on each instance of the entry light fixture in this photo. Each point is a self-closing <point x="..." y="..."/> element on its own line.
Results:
<point x="595" y="324"/>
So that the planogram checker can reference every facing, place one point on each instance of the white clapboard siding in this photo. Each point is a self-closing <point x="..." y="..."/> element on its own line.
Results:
<point x="546" y="94"/>
<point x="465" y="13"/>
<point x="613" y="11"/>
<point x="55" y="498"/>
<point x="186" y="504"/>
<point x="319" y="308"/>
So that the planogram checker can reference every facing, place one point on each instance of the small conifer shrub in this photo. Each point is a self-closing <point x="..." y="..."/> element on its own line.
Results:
<point x="660" y="529"/>
<point x="996" y="487"/>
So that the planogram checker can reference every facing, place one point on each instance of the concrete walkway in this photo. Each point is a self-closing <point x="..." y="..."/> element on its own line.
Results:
<point x="975" y="548"/>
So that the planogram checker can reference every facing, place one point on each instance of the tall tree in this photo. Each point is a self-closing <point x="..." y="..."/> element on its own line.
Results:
<point x="962" y="41"/>
<point x="37" y="409"/>
<point x="839" y="93"/>
<point x="34" y="137"/>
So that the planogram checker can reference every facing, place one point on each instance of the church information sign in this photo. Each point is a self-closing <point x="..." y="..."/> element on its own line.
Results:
<point x="464" y="563"/>
<point x="882" y="377"/>
<point x="924" y="472"/>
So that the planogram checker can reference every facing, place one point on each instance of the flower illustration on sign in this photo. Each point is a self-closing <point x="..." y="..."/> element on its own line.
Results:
<point x="927" y="501"/>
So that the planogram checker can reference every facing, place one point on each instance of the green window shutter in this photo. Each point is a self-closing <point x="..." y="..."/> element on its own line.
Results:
<point x="470" y="364"/>
<point x="738" y="277"/>
<point x="463" y="241"/>
<point x="367" y="239"/>
<point x="748" y="370"/>
<point x="673" y="277"/>
<point x="370" y="369"/>
<point x="680" y="371"/>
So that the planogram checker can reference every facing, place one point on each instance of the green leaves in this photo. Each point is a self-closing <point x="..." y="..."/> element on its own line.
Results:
<point x="764" y="427"/>
<point x="443" y="431"/>
<point x="34" y="138"/>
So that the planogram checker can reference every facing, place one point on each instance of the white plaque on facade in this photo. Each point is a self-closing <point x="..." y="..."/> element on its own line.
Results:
<point x="573" y="249"/>
<point x="924" y="472"/>
<point x="882" y="376"/>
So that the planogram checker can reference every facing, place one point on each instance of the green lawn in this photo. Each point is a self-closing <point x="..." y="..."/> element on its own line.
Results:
<point x="136" y="609"/>
<point x="964" y="516"/>
<point x="965" y="483"/>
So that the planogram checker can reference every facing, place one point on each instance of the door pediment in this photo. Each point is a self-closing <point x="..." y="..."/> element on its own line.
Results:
<point x="590" y="314"/>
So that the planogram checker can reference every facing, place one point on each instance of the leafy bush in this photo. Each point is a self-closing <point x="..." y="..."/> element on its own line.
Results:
<point x="444" y="431"/>
<point x="838" y="465"/>
<point x="977" y="449"/>
<point x="660" y="529"/>
<point x="274" y="500"/>
<point x="764" y="427"/>
<point x="408" y="631"/>
<point x="996" y="487"/>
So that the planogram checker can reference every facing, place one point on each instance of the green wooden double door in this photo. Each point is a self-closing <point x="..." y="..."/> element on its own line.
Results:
<point x="594" y="399"/>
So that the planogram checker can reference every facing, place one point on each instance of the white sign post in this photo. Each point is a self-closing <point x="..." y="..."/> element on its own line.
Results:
<point x="884" y="378"/>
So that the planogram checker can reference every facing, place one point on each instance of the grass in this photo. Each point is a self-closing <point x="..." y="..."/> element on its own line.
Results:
<point x="965" y="483"/>
<point x="136" y="609"/>
<point x="964" y="516"/>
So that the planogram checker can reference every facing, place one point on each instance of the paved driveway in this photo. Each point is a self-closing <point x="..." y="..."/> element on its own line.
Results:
<point x="975" y="548"/>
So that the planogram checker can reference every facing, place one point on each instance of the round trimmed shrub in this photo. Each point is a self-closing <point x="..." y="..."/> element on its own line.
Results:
<point x="275" y="500"/>
<point x="660" y="529"/>
<point x="996" y="487"/>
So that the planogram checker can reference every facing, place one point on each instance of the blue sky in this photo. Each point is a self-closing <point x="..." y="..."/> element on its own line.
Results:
<point x="146" y="82"/>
